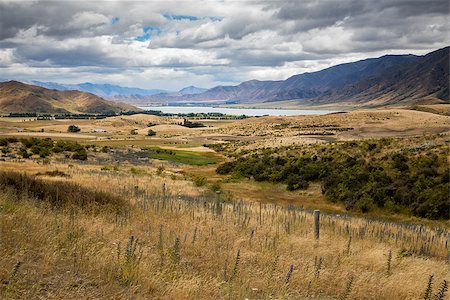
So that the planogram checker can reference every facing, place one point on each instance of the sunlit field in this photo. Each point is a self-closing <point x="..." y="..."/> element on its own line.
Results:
<point x="165" y="238"/>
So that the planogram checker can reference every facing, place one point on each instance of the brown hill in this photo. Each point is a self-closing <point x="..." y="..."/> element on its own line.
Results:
<point x="18" y="97"/>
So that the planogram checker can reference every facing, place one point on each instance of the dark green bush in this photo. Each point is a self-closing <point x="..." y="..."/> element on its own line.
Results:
<point x="73" y="128"/>
<point x="80" y="154"/>
<point x="415" y="183"/>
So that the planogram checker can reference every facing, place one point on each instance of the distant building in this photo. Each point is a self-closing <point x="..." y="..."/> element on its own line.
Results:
<point x="99" y="130"/>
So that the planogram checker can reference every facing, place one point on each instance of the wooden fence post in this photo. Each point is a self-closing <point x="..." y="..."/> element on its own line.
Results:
<point x="316" y="223"/>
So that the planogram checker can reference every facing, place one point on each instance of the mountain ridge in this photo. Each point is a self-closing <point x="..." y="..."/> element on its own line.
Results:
<point x="426" y="80"/>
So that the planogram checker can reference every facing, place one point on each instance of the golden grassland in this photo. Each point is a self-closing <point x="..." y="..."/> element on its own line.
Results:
<point x="172" y="239"/>
<point x="176" y="241"/>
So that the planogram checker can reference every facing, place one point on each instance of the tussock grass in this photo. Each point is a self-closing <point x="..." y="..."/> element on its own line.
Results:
<point x="174" y="243"/>
<point x="57" y="193"/>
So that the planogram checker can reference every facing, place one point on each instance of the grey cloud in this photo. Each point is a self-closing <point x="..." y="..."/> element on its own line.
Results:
<point x="308" y="15"/>
<point x="264" y="57"/>
<point x="59" y="57"/>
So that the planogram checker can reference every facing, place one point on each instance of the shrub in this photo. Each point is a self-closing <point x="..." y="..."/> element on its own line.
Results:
<point x="151" y="133"/>
<point x="80" y="155"/>
<point x="199" y="180"/>
<point x="160" y="170"/>
<point x="215" y="186"/>
<point x="24" y="153"/>
<point x="110" y="168"/>
<point x="73" y="128"/>
<point x="137" y="171"/>
<point x="44" y="152"/>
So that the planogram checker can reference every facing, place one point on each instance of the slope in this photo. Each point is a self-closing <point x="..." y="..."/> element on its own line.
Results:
<point x="425" y="81"/>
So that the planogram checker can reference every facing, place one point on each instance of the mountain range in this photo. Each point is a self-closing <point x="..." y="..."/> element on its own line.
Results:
<point x="18" y="97"/>
<point x="386" y="80"/>
<point x="102" y="90"/>
<point x="422" y="80"/>
<point x="390" y="79"/>
<point x="117" y="92"/>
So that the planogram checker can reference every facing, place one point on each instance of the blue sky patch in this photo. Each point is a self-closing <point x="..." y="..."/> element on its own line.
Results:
<point x="215" y="19"/>
<point x="115" y="20"/>
<point x="180" y="17"/>
<point x="148" y="31"/>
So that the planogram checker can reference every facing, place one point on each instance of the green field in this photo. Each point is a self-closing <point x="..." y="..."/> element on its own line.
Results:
<point x="183" y="157"/>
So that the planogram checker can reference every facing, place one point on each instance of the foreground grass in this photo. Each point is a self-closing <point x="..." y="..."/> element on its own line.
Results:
<point x="178" y="243"/>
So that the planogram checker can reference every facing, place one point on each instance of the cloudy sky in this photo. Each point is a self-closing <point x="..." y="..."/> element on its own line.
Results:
<point x="173" y="44"/>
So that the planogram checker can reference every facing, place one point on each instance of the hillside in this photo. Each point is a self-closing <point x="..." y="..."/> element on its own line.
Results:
<point x="18" y="97"/>
<point x="421" y="81"/>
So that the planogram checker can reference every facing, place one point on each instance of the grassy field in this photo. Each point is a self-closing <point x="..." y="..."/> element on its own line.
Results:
<point x="140" y="218"/>
<point x="171" y="240"/>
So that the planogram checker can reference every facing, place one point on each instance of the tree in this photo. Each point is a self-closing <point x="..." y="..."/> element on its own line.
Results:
<point x="151" y="133"/>
<point x="73" y="128"/>
<point x="133" y="132"/>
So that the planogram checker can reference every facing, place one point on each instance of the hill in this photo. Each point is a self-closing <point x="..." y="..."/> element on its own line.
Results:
<point x="19" y="97"/>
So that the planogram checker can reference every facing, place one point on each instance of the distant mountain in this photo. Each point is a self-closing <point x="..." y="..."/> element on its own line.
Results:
<point x="388" y="79"/>
<point x="102" y="90"/>
<point x="191" y="90"/>
<point x="18" y="97"/>
<point x="186" y="92"/>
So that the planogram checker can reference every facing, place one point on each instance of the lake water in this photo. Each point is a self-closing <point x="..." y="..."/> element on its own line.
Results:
<point x="234" y="111"/>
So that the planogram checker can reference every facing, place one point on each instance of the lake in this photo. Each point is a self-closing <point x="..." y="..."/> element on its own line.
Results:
<point x="235" y="111"/>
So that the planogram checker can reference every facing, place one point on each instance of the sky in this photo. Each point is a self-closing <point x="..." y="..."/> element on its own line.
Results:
<point x="174" y="44"/>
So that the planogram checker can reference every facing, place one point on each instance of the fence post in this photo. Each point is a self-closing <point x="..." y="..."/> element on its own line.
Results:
<point x="316" y="223"/>
<point x="164" y="195"/>
<point x="218" y="206"/>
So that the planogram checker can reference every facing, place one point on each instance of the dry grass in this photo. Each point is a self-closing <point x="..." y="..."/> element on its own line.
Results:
<point x="184" y="245"/>
<point x="58" y="194"/>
